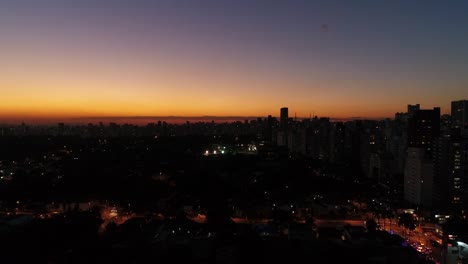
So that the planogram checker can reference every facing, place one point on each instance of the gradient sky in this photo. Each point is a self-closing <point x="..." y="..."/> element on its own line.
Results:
<point x="63" y="58"/>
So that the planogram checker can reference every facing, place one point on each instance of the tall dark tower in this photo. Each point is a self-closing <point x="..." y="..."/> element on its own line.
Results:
<point x="284" y="118"/>
<point x="460" y="114"/>
<point x="423" y="131"/>
<point x="412" y="110"/>
<point x="423" y="128"/>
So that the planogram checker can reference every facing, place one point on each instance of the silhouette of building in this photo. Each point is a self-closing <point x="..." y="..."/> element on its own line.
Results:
<point x="318" y="138"/>
<point x="423" y="129"/>
<point x="418" y="177"/>
<point x="451" y="173"/>
<point x="268" y="129"/>
<point x="458" y="173"/>
<point x="282" y="135"/>
<point x="337" y="142"/>
<point x="284" y="118"/>
<point x="441" y="171"/>
<point x="412" y="110"/>
<point x="297" y="140"/>
<point x="281" y="138"/>
<point x="460" y="114"/>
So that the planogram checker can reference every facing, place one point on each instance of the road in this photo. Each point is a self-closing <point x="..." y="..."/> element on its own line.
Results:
<point x="418" y="238"/>
<point x="338" y="223"/>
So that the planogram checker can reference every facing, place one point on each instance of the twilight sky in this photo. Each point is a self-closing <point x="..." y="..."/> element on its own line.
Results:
<point x="67" y="58"/>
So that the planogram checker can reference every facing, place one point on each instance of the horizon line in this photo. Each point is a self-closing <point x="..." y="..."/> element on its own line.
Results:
<point x="151" y="119"/>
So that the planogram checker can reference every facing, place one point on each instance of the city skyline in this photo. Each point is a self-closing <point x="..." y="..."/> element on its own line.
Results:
<point x="65" y="61"/>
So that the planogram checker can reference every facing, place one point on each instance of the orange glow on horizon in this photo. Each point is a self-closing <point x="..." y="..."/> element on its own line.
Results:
<point x="51" y="87"/>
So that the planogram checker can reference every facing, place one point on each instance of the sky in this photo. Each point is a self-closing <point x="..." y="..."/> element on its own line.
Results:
<point x="65" y="59"/>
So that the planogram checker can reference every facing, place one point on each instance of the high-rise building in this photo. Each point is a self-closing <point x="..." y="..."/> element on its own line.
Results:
<point x="284" y="118"/>
<point x="337" y="142"/>
<point x="451" y="174"/>
<point x="423" y="128"/>
<point x="412" y="109"/>
<point x="441" y="171"/>
<point x="418" y="177"/>
<point x="458" y="174"/>
<point x="282" y="134"/>
<point x="281" y="138"/>
<point x="460" y="114"/>
<point x="268" y="129"/>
